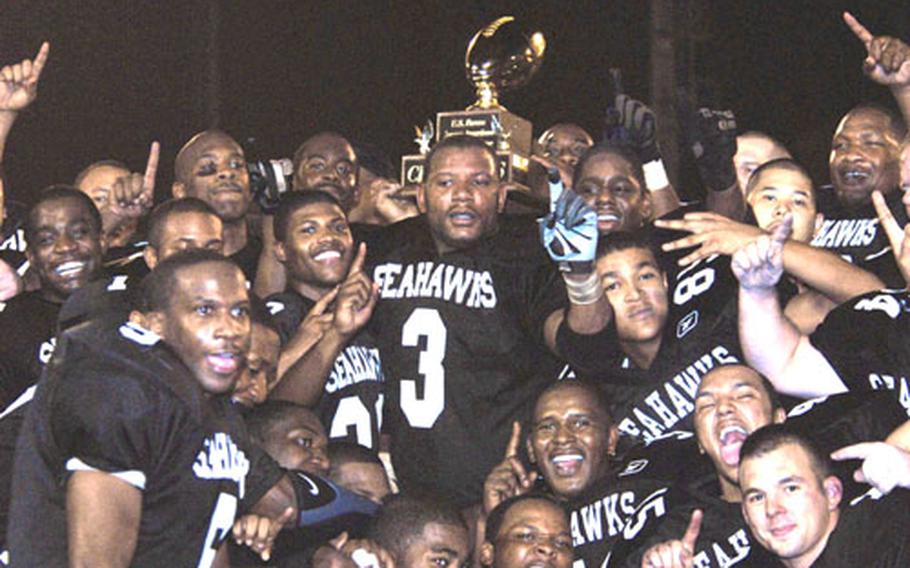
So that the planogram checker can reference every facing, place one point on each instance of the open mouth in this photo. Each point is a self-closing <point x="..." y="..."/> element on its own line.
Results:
<point x="731" y="442"/>
<point x="70" y="269"/>
<point x="854" y="176"/>
<point x="567" y="465"/>
<point x="224" y="362"/>
<point x="462" y="218"/>
<point x="327" y="256"/>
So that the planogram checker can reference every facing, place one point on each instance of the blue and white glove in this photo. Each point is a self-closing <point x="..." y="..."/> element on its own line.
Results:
<point x="569" y="231"/>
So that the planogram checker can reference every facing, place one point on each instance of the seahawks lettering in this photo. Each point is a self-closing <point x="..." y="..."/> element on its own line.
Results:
<point x="672" y="401"/>
<point x="603" y="518"/>
<point x="724" y="554"/>
<point x="890" y="382"/>
<point x="353" y="365"/>
<point x="846" y="233"/>
<point x="222" y="459"/>
<point x="441" y="281"/>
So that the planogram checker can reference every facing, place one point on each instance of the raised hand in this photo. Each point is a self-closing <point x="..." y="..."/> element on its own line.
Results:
<point x="19" y="82"/>
<point x="10" y="282"/>
<point x="259" y="532"/>
<point x="887" y="58"/>
<point x="884" y="466"/>
<point x="675" y="553"/>
<point x="640" y="123"/>
<point x="897" y="236"/>
<point x="356" y="298"/>
<point x="509" y="478"/>
<point x="132" y="195"/>
<point x="712" y="233"/>
<point x="569" y="231"/>
<point x="760" y="264"/>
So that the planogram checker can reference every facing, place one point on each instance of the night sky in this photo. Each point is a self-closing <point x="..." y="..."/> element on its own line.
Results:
<point x="121" y="74"/>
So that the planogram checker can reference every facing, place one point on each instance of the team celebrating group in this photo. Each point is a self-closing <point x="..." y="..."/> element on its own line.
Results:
<point x="578" y="370"/>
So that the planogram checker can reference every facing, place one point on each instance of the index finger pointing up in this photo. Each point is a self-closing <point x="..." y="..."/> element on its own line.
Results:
<point x="858" y="29"/>
<point x="40" y="60"/>
<point x="514" y="440"/>
<point x="151" y="167"/>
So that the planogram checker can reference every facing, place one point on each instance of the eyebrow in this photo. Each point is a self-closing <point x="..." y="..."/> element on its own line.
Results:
<point x="639" y="266"/>
<point x="775" y="188"/>
<point x="444" y="550"/>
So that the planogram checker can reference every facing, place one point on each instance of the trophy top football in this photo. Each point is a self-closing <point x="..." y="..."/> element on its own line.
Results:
<point x="501" y="57"/>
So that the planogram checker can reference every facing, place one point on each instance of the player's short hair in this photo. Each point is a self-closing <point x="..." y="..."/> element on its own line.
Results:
<point x="56" y="193"/>
<point x="402" y="518"/>
<point x="262" y="421"/>
<point x="298" y="156"/>
<point x="342" y="452"/>
<point x="766" y="386"/>
<point x="99" y="164"/>
<point x="626" y="240"/>
<point x="771" y="437"/>
<point x="622" y="151"/>
<point x="778" y="145"/>
<point x="498" y="514"/>
<point x="592" y="389"/>
<point x="373" y="158"/>
<point x="291" y="202"/>
<point x="459" y="142"/>
<point x="159" y="285"/>
<point x="162" y="213"/>
<point x="788" y="164"/>
<point x="895" y="122"/>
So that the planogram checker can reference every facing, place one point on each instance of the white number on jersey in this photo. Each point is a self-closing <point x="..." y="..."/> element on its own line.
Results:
<point x="423" y="412"/>
<point x="693" y="285"/>
<point x="352" y="412"/>
<point x="219" y="528"/>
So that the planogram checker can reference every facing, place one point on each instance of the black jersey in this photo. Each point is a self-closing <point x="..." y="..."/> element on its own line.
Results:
<point x="461" y="337"/>
<point x="247" y="258"/>
<point x="865" y="341"/>
<point x="856" y="235"/>
<point x="871" y="532"/>
<point x="29" y="322"/>
<point x="116" y="400"/>
<point x="724" y="540"/>
<point x="115" y="258"/>
<point x="351" y="405"/>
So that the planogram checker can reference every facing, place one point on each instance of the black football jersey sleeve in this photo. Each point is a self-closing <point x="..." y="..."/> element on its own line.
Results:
<point x="30" y="324"/>
<point x="865" y="341"/>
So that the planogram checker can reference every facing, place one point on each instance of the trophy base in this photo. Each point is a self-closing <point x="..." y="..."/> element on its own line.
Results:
<point x="413" y="166"/>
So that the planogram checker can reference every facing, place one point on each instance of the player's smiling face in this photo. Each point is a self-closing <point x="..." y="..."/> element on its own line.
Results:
<point x="318" y="247"/>
<point x="777" y="192"/>
<point x="789" y="509"/>
<point x="64" y="246"/>
<point x="637" y="291"/>
<point x="731" y="404"/>
<point x="534" y="533"/>
<point x="864" y="157"/>
<point x="607" y="183"/>
<point x="207" y="323"/>
<point x="462" y="197"/>
<point x="570" y="440"/>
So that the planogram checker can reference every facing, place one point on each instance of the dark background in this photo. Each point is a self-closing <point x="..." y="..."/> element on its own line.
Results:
<point x="121" y="74"/>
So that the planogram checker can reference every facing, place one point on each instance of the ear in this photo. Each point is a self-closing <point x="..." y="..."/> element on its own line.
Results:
<point x="178" y="190"/>
<point x="153" y="321"/>
<point x="150" y="255"/>
<point x="502" y="194"/>
<point x="779" y="416"/>
<point x="819" y="221"/>
<point x="280" y="252"/>
<point x="487" y="553"/>
<point x="422" y="197"/>
<point x="612" y="440"/>
<point x="647" y="204"/>
<point x="834" y="491"/>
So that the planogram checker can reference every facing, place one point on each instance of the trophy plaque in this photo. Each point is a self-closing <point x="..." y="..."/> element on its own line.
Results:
<point x="499" y="57"/>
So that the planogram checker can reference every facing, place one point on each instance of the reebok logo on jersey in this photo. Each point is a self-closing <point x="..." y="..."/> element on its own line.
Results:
<point x="441" y="281"/>
<point x="841" y="233"/>
<point x="222" y="459"/>
<point x="687" y="324"/>
<point x="673" y="400"/>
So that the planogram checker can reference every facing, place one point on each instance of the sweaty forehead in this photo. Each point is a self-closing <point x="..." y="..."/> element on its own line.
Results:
<point x="64" y="208"/>
<point x="728" y="376"/>
<point x="475" y="160"/>
<point x="328" y="145"/>
<point x="537" y="513"/>
<point x="220" y="280"/>
<point x="783" y="178"/>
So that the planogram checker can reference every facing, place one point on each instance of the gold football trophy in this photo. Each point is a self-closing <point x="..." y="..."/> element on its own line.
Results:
<point x="499" y="57"/>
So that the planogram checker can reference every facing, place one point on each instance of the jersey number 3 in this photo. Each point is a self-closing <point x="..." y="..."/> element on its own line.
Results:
<point x="422" y="412"/>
